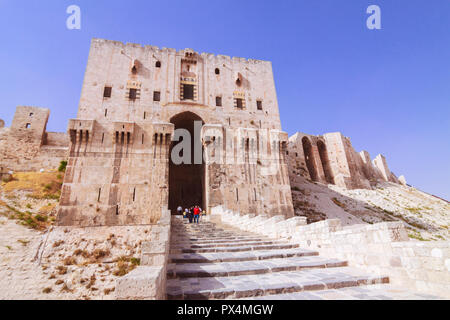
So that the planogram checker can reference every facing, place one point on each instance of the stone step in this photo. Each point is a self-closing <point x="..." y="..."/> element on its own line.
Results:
<point x="195" y="245"/>
<point x="234" y="249"/>
<point x="210" y="230"/>
<point x="239" y="256"/>
<point x="229" y="269"/>
<point x="177" y="239"/>
<point x="371" y="292"/>
<point x="269" y="283"/>
<point x="204" y="236"/>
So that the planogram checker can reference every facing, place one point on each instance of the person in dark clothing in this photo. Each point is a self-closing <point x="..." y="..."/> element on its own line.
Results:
<point x="190" y="215"/>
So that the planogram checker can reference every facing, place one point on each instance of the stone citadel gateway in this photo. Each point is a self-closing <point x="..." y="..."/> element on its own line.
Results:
<point x="142" y="110"/>
<point x="118" y="148"/>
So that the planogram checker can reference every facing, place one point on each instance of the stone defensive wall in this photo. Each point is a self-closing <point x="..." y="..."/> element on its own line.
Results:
<point x="27" y="146"/>
<point x="331" y="159"/>
<point x="381" y="248"/>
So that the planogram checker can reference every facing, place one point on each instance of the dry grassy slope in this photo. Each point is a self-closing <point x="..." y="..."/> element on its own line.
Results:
<point x="31" y="198"/>
<point x="426" y="217"/>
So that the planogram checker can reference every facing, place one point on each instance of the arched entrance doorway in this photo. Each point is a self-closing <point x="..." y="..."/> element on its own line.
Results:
<point x="309" y="158"/>
<point x="186" y="180"/>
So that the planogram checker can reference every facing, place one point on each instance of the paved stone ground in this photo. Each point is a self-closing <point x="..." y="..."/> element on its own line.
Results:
<point x="210" y="261"/>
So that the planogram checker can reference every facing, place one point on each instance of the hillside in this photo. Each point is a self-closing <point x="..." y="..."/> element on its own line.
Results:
<point x="426" y="217"/>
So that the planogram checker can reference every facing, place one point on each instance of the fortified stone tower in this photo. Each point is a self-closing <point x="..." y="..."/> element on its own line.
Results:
<point x="134" y="97"/>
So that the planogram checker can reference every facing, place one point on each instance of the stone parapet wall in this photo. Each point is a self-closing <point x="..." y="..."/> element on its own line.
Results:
<point x="382" y="248"/>
<point x="57" y="139"/>
<point x="148" y="281"/>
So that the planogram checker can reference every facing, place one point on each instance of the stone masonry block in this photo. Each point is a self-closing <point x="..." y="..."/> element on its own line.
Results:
<point x="143" y="283"/>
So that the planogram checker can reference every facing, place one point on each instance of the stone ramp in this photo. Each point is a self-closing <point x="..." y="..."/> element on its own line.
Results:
<point x="211" y="261"/>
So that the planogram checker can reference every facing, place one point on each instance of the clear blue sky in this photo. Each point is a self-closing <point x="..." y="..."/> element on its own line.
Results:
<point x="388" y="90"/>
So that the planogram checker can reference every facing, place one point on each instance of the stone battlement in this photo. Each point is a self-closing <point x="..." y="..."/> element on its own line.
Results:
<point x="156" y="49"/>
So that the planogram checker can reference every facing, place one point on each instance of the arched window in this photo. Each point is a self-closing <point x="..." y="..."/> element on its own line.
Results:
<point x="158" y="64"/>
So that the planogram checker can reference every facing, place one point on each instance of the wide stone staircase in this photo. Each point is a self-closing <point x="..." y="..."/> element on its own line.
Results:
<point x="212" y="261"/>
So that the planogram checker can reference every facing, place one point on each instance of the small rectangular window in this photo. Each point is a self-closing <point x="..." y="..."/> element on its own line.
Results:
<point x="156" y="96"/>
<point x="132" y="95"/>
<point x="218" y="101"/>
<point x="107" y="92"/>
<point x="239" y="103"/>
<point x="28" y="125"/>
<point x="259" y="104"/>
<point x="188" y="92"/>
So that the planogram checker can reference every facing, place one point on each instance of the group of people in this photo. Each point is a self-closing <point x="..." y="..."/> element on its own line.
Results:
<point x="193" y="213"/>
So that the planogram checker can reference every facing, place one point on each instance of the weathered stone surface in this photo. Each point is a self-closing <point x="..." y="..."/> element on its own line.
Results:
<point x="143" y="283"/>
<point x="331" y="159"/>
<point x="271" y="273"/>
<point x="382" y="248"/>
<point x="27" y="146"/>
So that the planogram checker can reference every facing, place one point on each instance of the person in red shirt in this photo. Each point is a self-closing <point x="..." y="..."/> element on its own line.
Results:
<point x="196" y="214"/>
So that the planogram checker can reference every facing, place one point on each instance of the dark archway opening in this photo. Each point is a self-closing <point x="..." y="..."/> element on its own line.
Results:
<point x="325" y="161"/>
<point x="307" y="150"/>
<point x="186" y="181"/>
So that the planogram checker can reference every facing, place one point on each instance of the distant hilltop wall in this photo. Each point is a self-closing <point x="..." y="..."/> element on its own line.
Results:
<point x="26" y="146"/>
<point x="331" y="159"/>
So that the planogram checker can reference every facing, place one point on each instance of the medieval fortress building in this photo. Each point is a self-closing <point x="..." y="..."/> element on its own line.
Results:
<point x="160" y="128"/>
<point x="135" y="97"/>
